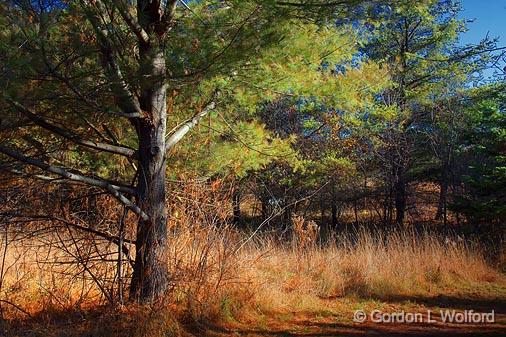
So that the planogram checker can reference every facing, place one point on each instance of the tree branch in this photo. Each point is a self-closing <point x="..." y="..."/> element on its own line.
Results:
<point x="313" y="4"/>
<point x="135" y="27"/>
<point x="127" y="101"/>
<point x="170" y="10"/>
<point x="120" y="150"/>
<point x="186" y="127"/>
<point x="106" y="236"/>
<point x="114" y="190"/>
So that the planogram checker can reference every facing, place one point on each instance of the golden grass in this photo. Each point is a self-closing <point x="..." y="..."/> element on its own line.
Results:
<point x="367" y="264"/>
<point x="218" y="277"/>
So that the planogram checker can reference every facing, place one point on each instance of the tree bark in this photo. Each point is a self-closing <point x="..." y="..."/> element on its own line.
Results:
<point x="400" y="201"/>
<point x="441" y="207"/>
<point x="334" y="214"/>
<point x="236" y="206"/>
<point x="150" y="277"/>
<point x="333" y="206"/>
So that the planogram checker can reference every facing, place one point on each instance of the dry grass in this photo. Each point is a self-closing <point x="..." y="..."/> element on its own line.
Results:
<point x="212" y="278"/>
<point x="220" y="274"/>
<point x="368" y="264"/>
<point x="284" y="277"/>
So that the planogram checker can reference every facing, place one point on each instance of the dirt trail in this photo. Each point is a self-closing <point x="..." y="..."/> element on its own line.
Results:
<point x="333" y="318"/>
<point x="342" y="324"/>
<point x="327" y="328"/>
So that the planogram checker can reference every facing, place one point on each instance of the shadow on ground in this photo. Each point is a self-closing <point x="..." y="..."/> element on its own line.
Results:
<point x="315" y="329"/>
<point x="108" y="323"/>
<point x="335" y="327"/>
<point x="453" y="302"/>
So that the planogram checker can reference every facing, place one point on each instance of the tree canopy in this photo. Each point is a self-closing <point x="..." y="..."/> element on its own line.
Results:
<point x="357" y="106"/>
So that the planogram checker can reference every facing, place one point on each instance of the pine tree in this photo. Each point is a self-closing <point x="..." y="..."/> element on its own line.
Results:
<point x="418" y="45"/>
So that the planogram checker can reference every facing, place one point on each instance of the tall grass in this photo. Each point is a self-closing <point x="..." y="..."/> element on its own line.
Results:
<point x="215" y="275"/>
<point x="364" y="263"/>
<point x="218" y="272"/>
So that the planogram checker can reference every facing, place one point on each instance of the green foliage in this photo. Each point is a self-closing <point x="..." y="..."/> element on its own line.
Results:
<point x="302" y="63"/>
<point x="485" y="148"/>
<point x="365" y="84"/>
<point x="232" y="149"/>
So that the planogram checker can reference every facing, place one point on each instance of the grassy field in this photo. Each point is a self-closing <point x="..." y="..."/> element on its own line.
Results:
<point x="225" y="284"/>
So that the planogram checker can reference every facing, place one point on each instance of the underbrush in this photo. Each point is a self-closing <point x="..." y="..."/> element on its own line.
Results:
<point x="222" y="275"/>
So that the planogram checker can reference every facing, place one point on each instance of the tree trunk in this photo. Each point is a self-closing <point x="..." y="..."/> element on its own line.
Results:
<point x="150" y="277"/>
<point x="322" y="209"/>
<point x="264" y="206"/>
<point x="334" y="214"/>
<point x="443" y="192"/>
<point x="390" y="208"/>
<point x="441" y="207"/>
<point x="333" y="206"/>
<point x="400" y="201"/>
<point x="355" y="212"/>
<point x="236" y="206"/>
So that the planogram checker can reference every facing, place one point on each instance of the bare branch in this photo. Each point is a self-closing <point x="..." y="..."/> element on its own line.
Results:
<point x="103" y="235"/>
<point x="35" y="176"/>
<point x="114" y="190"/>
<point x="114" y="239"/>
<point x="313" y="3"/>
<point x="186" y="127"/>
<point x="124" y="151"/>
<point x="127" y="101"/>
<point x="17" y="307"/>
<point x="170" y="10"/>
<point x="135" y="27"/>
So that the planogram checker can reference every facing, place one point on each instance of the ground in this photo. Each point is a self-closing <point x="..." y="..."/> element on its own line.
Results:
<point x="334" y="319"/>
<point x="338" y="321"/>
<point x="274" y="290"/>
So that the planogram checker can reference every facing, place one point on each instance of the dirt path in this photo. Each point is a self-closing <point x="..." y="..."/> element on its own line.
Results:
<point x="329" y="317"/>
<point x="342" y="324"/>
<point x="328" y="327"/>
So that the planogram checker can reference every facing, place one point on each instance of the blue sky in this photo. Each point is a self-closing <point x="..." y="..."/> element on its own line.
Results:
<point x="489" y="15"/>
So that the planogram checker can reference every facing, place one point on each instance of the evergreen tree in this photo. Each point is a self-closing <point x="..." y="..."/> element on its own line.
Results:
<point x="106" y="77"/>
<point x="418" y="45"/>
